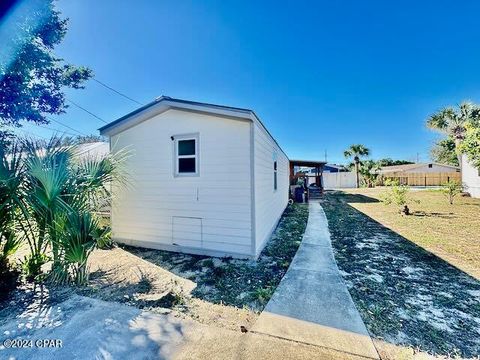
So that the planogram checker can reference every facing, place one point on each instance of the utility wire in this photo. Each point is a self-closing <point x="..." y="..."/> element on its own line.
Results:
<point x="31" y="134"/>
<point x="56" y="130"/>
<point x="67" y="126"/>
<point x="118" y="92"/>
<point x="89" y="112"/>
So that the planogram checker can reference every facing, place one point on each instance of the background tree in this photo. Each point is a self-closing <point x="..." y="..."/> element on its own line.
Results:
<point x="453" y="122"/>
<point x="32" y="78"/>
<point x="369" y="169"/>
<point x="444" y="152"/>
<point x="391" y="162"/>
<point x="83" y="139"/>
<point x="355" y="152"/>
<point x="471" y="144"/>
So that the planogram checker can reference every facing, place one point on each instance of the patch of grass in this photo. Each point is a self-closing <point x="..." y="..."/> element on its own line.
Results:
<point x="208" y="263"/>
<point x="405" y="294"/>
<point x="264" y="294"/>
<point x="448" y="231"/>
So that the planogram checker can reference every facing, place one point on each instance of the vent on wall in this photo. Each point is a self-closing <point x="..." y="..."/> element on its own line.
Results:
<point x="187" y="231"/>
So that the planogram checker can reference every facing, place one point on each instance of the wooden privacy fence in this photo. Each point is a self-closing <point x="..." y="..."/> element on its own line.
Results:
<point x="421" y="179"/>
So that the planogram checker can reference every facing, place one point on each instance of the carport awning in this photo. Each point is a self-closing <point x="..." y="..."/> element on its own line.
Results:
<point x="318" y="165"/>
<point x="307" y="163"/>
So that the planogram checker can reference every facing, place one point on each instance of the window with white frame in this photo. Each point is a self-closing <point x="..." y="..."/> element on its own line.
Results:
<point x="186" y="155"/>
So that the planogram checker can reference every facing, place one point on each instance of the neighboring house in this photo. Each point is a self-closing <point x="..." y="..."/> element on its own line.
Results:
<point x="470" y="178"/>
<point x="421" y="174"/>
<point x="419" y="168"/>
<point x="331" y="168"/>
<point x="97" y="149"/>
<point x="204" y="179"/>
<point x="334" y="168"/>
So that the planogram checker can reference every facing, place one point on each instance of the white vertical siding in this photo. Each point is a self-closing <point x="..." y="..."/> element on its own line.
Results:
<point x="470" y="178"/>
<point x="339" y="180"/>
<point x="219" y="198"/>
<point x="269" y="203"/>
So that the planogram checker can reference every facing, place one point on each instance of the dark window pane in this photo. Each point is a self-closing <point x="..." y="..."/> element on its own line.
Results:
<point x="186" y="165"/>
<point x="275" y="180"/>
<point x="274" y="165"/>
<point x="186" y="147"/>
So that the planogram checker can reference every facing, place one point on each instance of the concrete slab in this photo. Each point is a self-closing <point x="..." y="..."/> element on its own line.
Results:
<point x="312" y="304"/>
<point x="94" y="329"/>
<point x="314" y="258"/>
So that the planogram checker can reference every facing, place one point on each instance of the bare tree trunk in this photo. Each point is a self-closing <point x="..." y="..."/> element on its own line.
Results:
<point x="357" y="177"/>
<point x="458" y="152"/>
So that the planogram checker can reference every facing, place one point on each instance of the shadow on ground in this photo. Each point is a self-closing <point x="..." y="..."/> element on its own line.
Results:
<point x="406" y="295"/>
<point x="90" y="329"/>
<point x="434" y="214"/>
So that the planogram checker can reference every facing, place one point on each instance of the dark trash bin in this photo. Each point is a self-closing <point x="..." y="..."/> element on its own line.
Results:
<point x="299" y="195"/>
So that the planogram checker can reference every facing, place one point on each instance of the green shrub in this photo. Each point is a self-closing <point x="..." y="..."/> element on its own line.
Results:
<point x="10" y="241"/>
<point x="264" y="294"/>
<point x="8" y="271"/>
<point x="451" y="189"/>
<point x="397" y="195"/>
<point x="32" y="265"/>
<point x="8" y="279"/>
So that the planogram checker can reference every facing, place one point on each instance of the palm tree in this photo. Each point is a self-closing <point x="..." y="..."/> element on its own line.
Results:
<point x="452" y="122"/>
<point x="56" y="200"/>
<point x="356" y="151"/>
<point x="369" y="170"/>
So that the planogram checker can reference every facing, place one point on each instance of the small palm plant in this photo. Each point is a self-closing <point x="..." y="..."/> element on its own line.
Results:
<point x="356" y="151"/>
<point x="78" y="234"/>
<point x="10" y="185"/>
<point x="56" y="199"/>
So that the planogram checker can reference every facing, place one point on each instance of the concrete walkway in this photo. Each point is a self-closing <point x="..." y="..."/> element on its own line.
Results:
<point x="85" y="328"/>
<point x="312" y="304"/>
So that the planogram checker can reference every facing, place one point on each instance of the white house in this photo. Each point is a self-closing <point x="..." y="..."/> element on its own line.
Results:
<point x="204" y="179"/>
<point x="470" y="178"/>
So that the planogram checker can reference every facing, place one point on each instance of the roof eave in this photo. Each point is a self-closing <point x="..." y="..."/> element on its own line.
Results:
<point x="163" y="104"/>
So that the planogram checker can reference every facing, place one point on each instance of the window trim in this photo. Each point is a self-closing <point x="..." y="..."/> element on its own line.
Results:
<point x="176" y="157"/>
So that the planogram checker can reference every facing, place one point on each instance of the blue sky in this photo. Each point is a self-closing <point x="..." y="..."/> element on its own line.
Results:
<point x="321" y="75"/>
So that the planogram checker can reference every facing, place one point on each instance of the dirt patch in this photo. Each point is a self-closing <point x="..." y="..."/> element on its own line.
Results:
<point x="406" y="295"/>
<point x="239" y="283"/>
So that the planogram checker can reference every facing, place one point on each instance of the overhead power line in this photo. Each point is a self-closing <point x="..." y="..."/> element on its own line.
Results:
<point x="117" y="92"/>
<point x="56" y="130"/>
<point x="67" y="126"/>
<point x="87" y="111"/>
<point x="31" y="134"/>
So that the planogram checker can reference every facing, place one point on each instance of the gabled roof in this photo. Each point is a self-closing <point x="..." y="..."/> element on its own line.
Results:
<point x="164" y="103"/>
